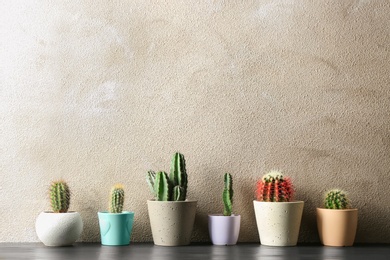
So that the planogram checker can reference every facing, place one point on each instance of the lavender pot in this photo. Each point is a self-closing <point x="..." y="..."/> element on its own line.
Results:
<point x="224" y="230"/>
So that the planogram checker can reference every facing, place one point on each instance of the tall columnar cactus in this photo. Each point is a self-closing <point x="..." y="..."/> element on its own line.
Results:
<point x="172" y="187"/>
<point x="336" y="199"/>
<point x="178" y="176"/>
<point x="227" y="195"/>
<point x="274" y="187"/>
<point x="117" y="198"/>
<point x="59" y="196"/>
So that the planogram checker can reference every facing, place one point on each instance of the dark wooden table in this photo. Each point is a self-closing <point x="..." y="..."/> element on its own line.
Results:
<point x="244" y="251"/>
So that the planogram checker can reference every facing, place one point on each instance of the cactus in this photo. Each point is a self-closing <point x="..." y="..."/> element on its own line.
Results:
<point x="227" y="195"/>
<point x="178" y="176"/>
<point x="117" y="198"/>
<point x="162" y="187"/>
<point x="150" y="180"/>
<point x="179" y="193"/>
<point x="172" y="187"/>
<point x="336" y="199"/>
<point x="274" y="187"/>
<point x="59" y="196"/>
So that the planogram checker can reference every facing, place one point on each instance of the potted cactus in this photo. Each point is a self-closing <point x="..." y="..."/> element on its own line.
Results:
<point x="171" y="215"/>
<point x="225" y="228"/>
<point x="337" y="222"/>
<point x="278" y="216"/>
<point x="59" y="227"/>
<point x="116" y="225"/>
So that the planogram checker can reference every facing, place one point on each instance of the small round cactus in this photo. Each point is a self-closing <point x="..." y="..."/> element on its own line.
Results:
<point x="274" y="187"/>
<point x="59" y="196"/>
<point x="117" y="198"/>
<point x="336" y="199"/>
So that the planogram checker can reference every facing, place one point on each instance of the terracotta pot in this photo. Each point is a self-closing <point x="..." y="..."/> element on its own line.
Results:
<point x="278" y="223"/>
<point x="58" y="229"/>
<point x="337" y="227"/>
<point x="224" y="230"/>
<point x="171" y="221"/>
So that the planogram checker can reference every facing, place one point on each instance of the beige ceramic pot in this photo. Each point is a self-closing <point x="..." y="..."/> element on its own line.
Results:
<point x="278" y="223"/>
<point x="337" y="227"/>
<point x="171" y="221"/>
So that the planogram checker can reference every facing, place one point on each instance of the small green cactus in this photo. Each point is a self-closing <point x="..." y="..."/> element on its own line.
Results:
<point x="59" y="196"/>
<point x="336" y="199"/>
<point x="274" y="187"/>
<point x="172" y="187"/>
<point x="117" y="198"/>
<point x="227" y="195"/>
<point x="150" y="177"/>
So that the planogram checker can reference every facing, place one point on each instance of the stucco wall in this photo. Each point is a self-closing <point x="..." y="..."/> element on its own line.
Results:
<point x="99" y="92"/>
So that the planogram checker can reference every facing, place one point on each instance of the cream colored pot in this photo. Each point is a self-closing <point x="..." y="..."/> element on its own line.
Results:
<point x="337" y="227"/>
<point x="58" y="229"/>
<point x="278" y="223"/>
<point x="171" y="221"/>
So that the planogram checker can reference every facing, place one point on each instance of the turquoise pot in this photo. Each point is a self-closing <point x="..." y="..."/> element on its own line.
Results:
<point x="115" y="228"/>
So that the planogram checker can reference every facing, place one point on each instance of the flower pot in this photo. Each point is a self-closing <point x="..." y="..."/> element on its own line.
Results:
<point x="337" y="227"/>
<point x="58" y="229"/>
<point x="278" y="223"/>
<point x="171" y="221"/>
<point x="115" y="228"/>
<point x="224" y="230"/>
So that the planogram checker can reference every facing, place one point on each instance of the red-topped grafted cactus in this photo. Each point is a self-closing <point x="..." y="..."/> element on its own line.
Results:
<point x="274" y="187"/>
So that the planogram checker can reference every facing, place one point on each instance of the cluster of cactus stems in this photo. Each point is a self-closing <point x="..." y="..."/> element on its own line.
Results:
<point x="274" y="187"/>
<point x="336" y="199"/>
<point x="172" y="187"/>
<point x="117" y="198"/>
<point x="59" y="196"/>
<point x="227" y="195"/>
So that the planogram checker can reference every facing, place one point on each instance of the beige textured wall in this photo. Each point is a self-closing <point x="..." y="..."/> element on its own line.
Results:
<point x="98" y="92"/>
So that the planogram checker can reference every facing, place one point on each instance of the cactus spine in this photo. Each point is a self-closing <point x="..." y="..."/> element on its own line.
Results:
<point x="227" y="195"/>
<point x="59" y="196"/>
<point x="336" y="199"/>
<point x="117" y="198"/>
<point x="274" y="187"/>
<point x="172" y="187"/>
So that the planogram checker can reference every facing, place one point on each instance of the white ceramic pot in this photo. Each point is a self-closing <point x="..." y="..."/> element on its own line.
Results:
<point x="278" y="223"/>
<point x="224" y="230"/>
<point x="59" y="229"/>
<point x="171" y="221"/>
